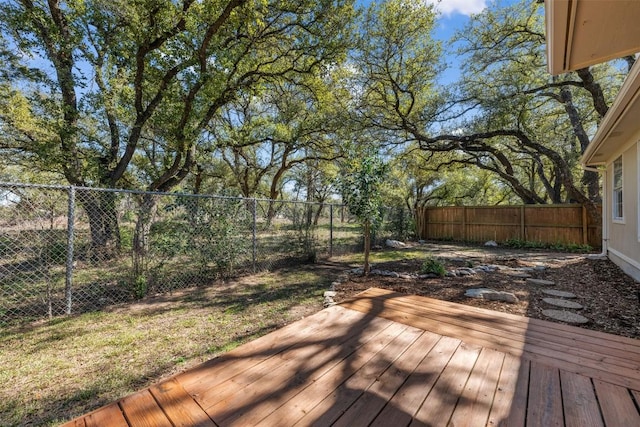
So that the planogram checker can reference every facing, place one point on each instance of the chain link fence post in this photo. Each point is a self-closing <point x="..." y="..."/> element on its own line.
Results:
<point x="255" y="235"/>
<point x="330" y="230"/>
<point x="70" y="249"/>
<point x="70" y="236"/>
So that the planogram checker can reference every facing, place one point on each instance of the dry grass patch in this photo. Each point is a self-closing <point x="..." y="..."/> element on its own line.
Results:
<point x="53" y="371"/>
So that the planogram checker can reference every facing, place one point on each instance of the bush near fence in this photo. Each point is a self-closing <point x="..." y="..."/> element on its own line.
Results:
<point x="549" y="224"/>
<point x="66" y="249"/>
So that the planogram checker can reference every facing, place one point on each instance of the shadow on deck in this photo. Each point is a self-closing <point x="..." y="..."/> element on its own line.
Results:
<point x="386" y="358"/>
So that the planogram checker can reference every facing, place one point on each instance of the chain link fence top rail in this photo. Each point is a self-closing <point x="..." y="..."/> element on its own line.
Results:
<point x="66" y="249"/>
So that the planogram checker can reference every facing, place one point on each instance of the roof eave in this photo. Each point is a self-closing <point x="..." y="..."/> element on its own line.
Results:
<point x="627" y="98"/>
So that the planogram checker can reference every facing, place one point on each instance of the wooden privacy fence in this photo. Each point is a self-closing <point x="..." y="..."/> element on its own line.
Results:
<point x="565" y="224"/>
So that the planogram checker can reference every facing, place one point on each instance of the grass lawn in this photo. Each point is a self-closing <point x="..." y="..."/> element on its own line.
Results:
<point x="384" y="256"/>
<point x="55" y="370"/>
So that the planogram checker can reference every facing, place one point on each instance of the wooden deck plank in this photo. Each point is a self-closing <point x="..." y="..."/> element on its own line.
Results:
<point x="179" y="406"/>
<point x="563" y="357"/>
<point x="545" y="397"/>
<point x="531" y="322"/>
<point x="142" y="410"/>
<point x="225" y="366"/>
<point x="391" y="359"/>
<point x="221" y="381"/>
<point x="336" y="390"/>
<point x="580" y="334"/>
<point x="579" y="401"/>
<point x="441" y="401"/>
<point x="78" y="422"/>
<point x="108" y="416"/>
<point x="256" y="400"/>
<point x="431" y="351"/>
<point x="615" y="351"/>
<point x="407" y="400"/>
<point x="616" y="405"/>
<point x="493" y="322"/>
<point x="474" y="405"/>
<point x="509" y="407"/>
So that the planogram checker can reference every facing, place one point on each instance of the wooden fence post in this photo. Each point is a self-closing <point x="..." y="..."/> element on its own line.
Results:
<point x="464" y="223"/>
<point x="522" y="224"/>
<point x="585" y="228"/>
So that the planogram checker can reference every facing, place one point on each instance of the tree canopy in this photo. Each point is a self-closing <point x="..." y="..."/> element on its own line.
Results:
<point x="264" y="98"/>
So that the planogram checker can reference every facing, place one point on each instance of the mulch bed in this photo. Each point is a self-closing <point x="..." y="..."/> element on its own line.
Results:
<point x="611" y="299"/>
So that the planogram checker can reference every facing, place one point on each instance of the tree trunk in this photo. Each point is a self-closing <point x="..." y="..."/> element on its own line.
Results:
<point x="367" y="247"/>
<point x="316" y="217"/>
<point x="103" y="223"/>
<point x="271" y="212"/>
<point x="591" y="180"/>
<point x="142" y="233"/>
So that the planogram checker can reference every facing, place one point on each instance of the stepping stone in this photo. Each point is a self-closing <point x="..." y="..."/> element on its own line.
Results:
<point x="540" y="282"/>
<point x="563" y="303"/>
<point x="565" y="316"/>
<point x="559" y="294"/>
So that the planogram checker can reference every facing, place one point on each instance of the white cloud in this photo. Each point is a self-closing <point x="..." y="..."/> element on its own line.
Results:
<point x="463" y="7"/>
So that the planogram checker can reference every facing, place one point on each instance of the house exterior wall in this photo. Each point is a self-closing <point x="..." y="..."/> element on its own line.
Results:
<point x="624" y="235"/>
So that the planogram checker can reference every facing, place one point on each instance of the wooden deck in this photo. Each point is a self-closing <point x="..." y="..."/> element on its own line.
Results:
<point x="389" y="359"/>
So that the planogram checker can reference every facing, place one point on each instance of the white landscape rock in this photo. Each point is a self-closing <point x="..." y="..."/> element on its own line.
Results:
<point x="491" y="295"/>
<point x="396" y="244"/>
<point x="491" y="243"/>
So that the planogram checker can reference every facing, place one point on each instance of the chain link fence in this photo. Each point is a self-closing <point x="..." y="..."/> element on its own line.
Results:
<point x="66" y="249"/>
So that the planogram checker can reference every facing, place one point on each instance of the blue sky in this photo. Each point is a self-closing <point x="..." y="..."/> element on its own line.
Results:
<point x="454" y="14"/>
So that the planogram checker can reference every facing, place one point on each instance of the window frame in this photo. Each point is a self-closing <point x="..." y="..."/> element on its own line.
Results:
<point x="617" y="191"/>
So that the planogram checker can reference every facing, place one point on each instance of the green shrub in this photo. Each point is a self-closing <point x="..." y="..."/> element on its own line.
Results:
<point x="561" y="247"/>
<point x="524" y="244"/>
<point x="433" y="266"/>
<point x="140" y="286"/>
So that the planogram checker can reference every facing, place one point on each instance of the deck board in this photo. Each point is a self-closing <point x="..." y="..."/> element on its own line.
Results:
<point x="544" y="407"/>
<point x="474" y="404"/>
<point x="369" y="404"/>
<point x="141" y="409"/>
<point x="179" y="406"/>
<point x="384" y="358"/>
<point x="579" y="400"/>
<point x="331" y="395"/>
<point x="442" y="399"/>
<point x="597" y="364"/>
<point x="509" y="406"/>
<point x="617" y="405"/>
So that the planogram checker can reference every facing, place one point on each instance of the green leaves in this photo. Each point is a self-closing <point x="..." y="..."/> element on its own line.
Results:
<point x="360" y="185"/>
<point x="137" y="83"/>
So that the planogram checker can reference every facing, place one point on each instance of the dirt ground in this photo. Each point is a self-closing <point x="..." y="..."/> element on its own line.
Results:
<point x="610" y="298"/>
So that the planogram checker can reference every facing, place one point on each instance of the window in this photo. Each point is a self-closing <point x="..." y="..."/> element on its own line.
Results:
<point x="617" y="189"/>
